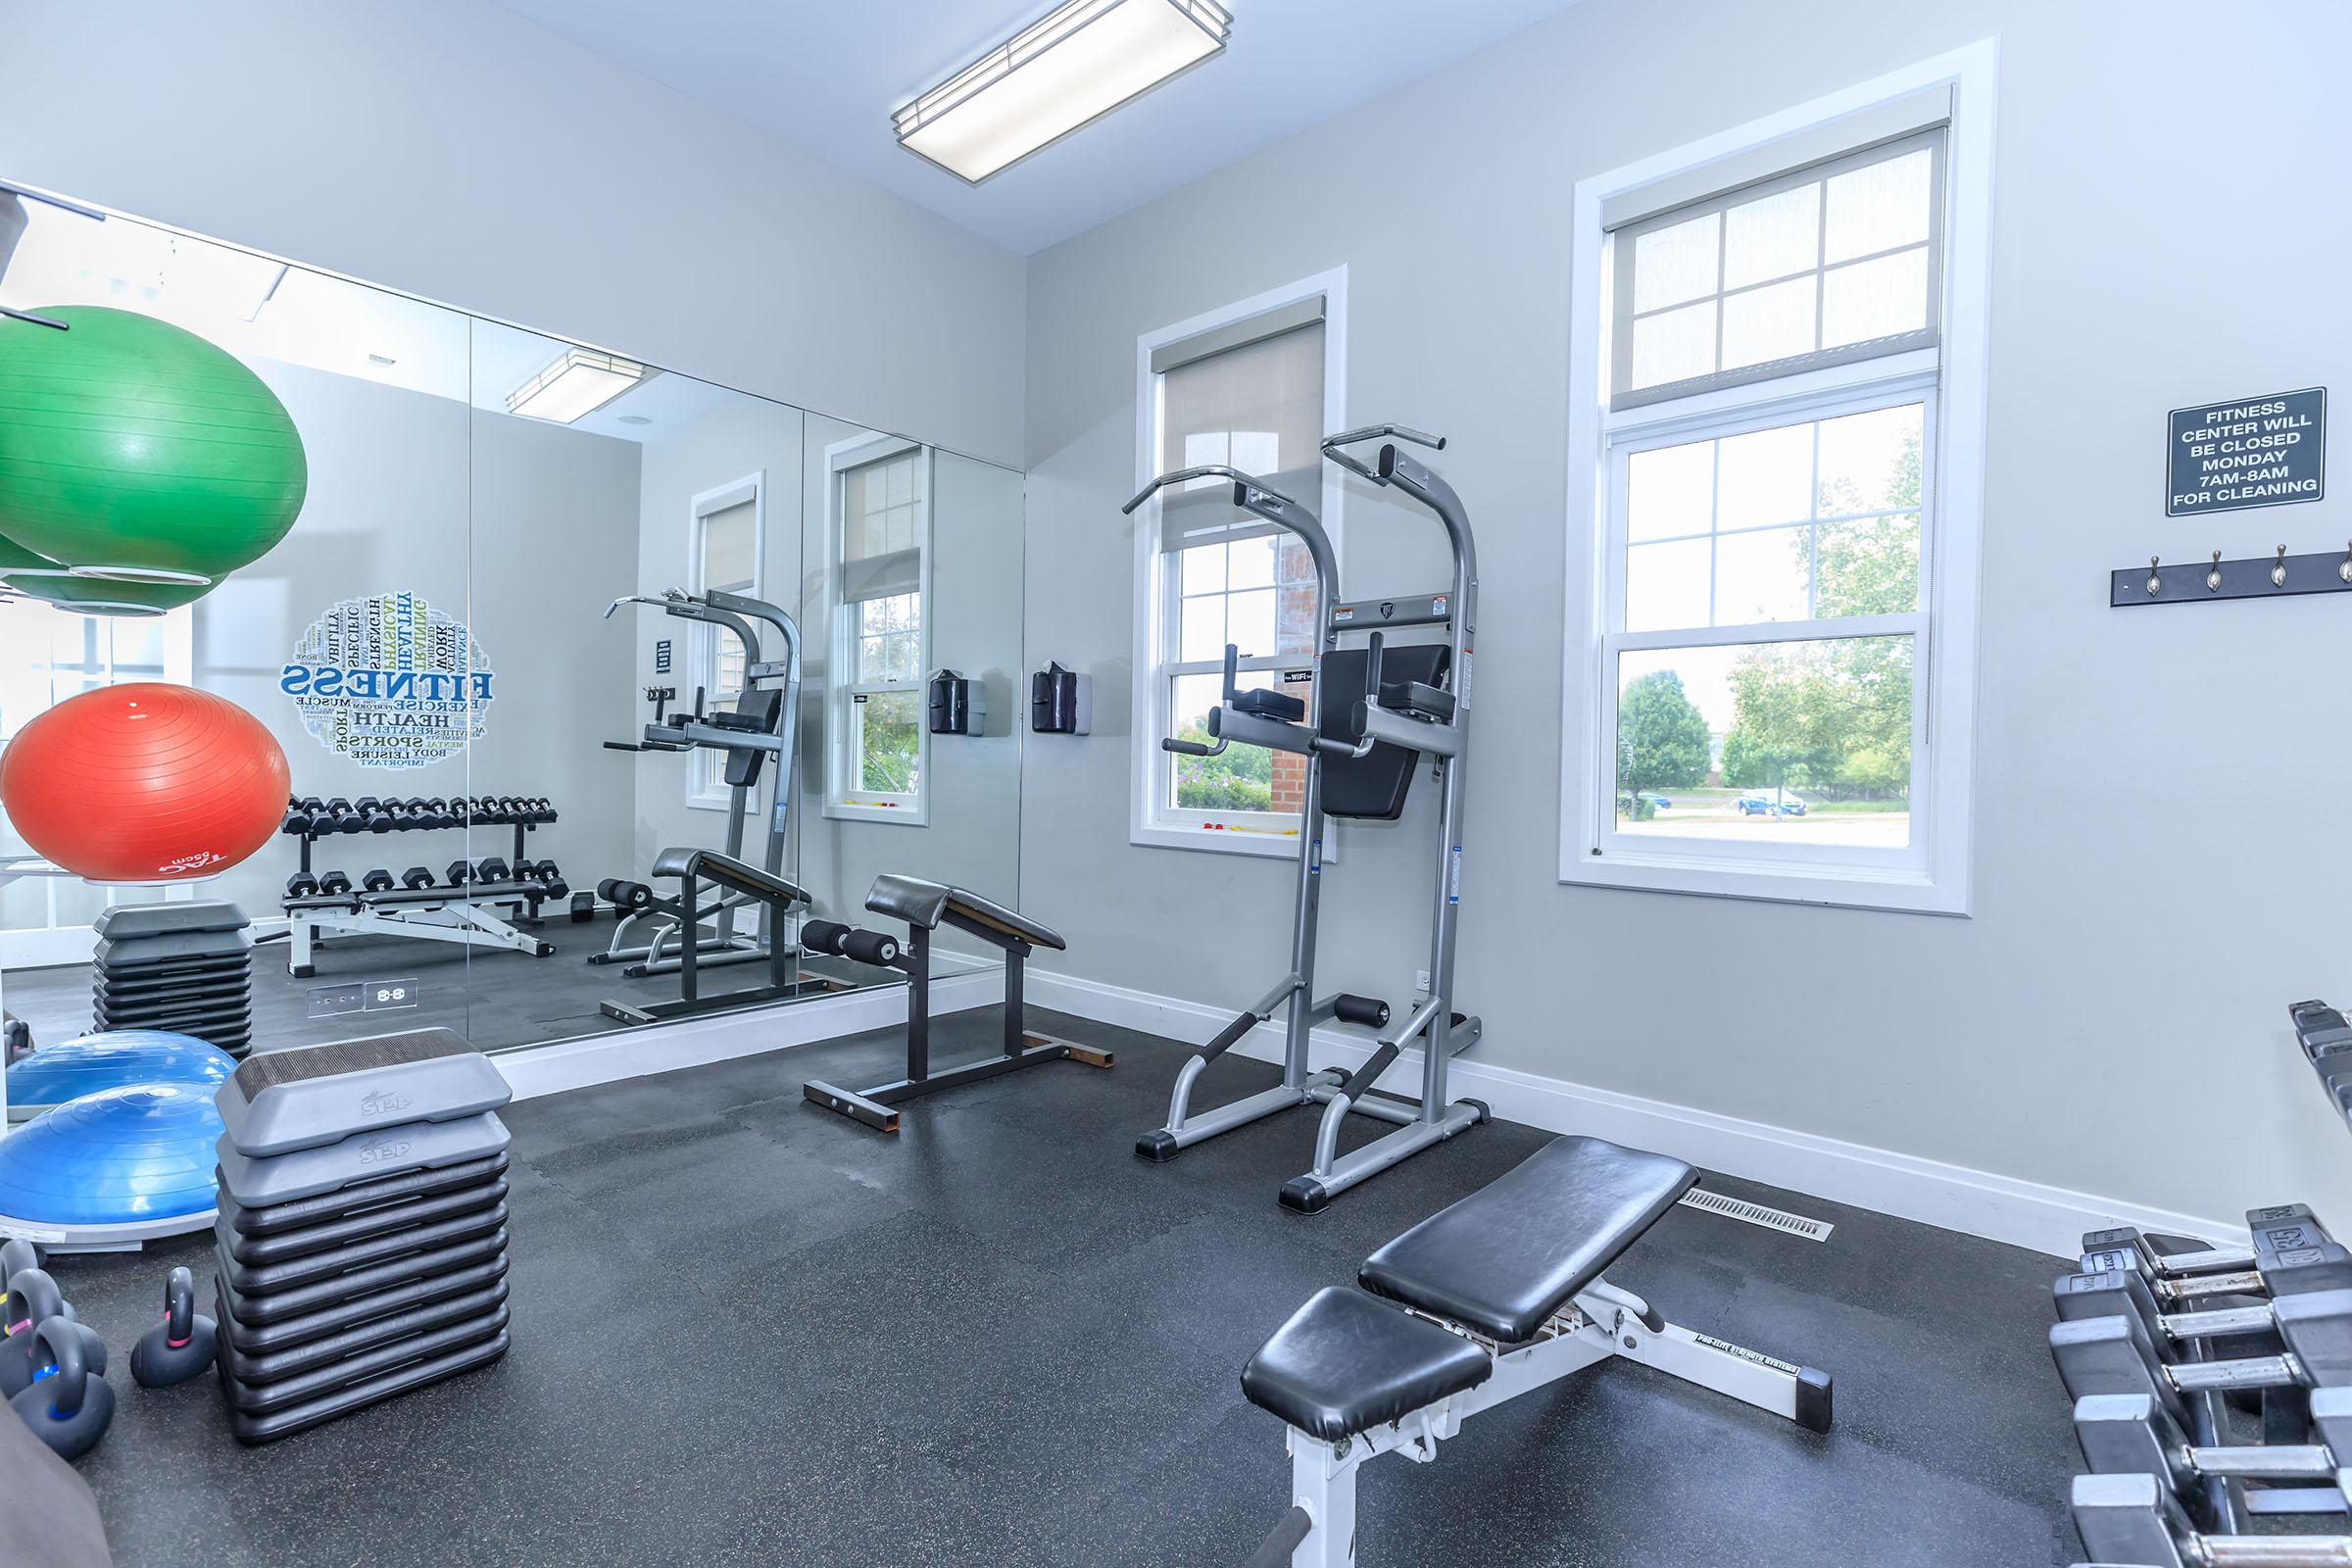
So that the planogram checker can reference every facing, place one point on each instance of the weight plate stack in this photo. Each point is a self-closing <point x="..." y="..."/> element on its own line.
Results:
<point x="185" y="967"/>
<point x="360" y="1248"/>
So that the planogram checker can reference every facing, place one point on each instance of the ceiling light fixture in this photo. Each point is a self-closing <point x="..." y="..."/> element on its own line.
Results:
<point x="1085" y="59"/>
<point x="576" y="384"/>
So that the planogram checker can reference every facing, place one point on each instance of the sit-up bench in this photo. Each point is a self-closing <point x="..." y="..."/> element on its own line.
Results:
<point x="739" y="883"/>
<point x="1496" y="1296"/>
<point x="925" y="907"/>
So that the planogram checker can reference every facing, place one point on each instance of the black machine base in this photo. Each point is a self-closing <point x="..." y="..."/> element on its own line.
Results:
<point x="872" y="1107"/>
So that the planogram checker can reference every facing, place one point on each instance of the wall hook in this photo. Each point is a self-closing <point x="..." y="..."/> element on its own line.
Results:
<point x="2156" y="583"/>
<point x="2278" y="570"/>
<point x="2212" y="579"/>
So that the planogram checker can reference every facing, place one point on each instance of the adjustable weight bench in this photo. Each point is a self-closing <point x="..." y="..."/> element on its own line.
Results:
<point x="925" y="907"/>
<point x="1496" y="1296"/>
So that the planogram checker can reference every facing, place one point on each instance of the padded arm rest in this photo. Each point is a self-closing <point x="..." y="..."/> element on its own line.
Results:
<point x="728" y="872"/>
<point x="925" y="904"/>
<point x="1508" y="1257"/>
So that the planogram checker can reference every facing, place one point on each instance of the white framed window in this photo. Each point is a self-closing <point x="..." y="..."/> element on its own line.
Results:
<point x="1777" y="448"/>
<point x="878" y="572"/>
<point x="1252" y="386"/>
<point x="726" y="553"/>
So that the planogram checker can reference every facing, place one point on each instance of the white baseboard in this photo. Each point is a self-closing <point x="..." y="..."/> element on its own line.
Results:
<point x="605" y="1059"/>
<point x="1956" y="1197"/>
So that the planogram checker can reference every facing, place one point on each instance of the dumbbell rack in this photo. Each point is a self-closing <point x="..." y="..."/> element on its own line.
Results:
<point x="459" y="912"/>
<point x="2212" y="1394"/>
<point x="2327" y="1040"/>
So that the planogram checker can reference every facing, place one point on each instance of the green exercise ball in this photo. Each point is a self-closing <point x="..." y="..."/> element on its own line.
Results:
<point x="132" y="449"/>
<point x="100" y="596"/>
<point x="13" y="556"/>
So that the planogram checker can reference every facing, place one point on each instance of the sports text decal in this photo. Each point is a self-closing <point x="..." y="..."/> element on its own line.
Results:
<point x="389" y="682"/>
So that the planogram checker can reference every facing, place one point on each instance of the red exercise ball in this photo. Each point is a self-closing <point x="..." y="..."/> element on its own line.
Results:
<point x="144" y="783"/>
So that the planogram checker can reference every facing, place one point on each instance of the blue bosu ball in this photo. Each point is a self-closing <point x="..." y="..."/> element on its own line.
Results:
<point x="110" y="1059"/>
<point x="135" y="1162"/>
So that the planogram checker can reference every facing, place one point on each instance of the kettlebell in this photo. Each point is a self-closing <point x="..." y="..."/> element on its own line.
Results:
<point x="17" y="1255"/>
<point x="34" y="1296"/>
<point x="181" y="1344"/>
<point x="67" y="1408"/>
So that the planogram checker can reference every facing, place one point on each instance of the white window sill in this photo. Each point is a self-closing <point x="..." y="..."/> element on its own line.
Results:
<point x="1902" y="890"/>
<point x="1265" y="844"/>
<point x="706" y="803"/>
<point x="911" y="813"/>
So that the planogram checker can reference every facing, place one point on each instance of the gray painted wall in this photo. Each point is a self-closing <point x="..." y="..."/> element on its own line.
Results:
<point x="459" y="152"/>
<point x="2150" y="855"/>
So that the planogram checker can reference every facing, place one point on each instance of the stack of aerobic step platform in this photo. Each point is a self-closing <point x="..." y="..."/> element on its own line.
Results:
<point x="361" y="1244"/>
<point x="185" y="967"/>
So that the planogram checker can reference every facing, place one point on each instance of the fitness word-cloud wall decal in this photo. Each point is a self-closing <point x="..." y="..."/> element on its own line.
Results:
<point x="389" y="681"/>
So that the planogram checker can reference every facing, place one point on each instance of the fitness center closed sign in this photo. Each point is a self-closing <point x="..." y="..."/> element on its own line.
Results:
<point x="2254" y="452"/>
<point x="389" y="682"/>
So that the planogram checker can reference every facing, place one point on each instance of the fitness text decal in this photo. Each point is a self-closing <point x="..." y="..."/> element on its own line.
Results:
<point x="389" y="682"/>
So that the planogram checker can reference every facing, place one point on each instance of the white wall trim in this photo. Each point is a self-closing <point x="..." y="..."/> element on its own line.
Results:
<point x="606" y="1058"/>
<point x="1956" y="1197"/>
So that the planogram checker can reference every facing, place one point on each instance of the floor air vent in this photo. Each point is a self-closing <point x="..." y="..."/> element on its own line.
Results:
<point x="1772" y="1219"/>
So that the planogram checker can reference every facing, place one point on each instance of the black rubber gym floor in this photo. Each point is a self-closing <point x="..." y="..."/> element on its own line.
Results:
<point x="748" y="1330"/>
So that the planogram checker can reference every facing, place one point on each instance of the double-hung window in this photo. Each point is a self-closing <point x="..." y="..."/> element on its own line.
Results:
<point x="725" y="533"/>
<point x="1787" y="434"/>
<point x="1246" y="389"/>
<point x="880" y="531"/>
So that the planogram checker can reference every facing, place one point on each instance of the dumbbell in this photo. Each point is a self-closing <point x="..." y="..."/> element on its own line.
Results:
<point x="2291" y="1252"/>
<point x="309" y="814"/>
<point x="583" y="907"/>
<point x="379" y="880"/>
<point x="485" y="810"/>
<point x="542" y="810"/>
<point x="846" y="941"/>
<point x="527" y="873"/>
<point x="417" y="878"/>
<point x="422" y="814"/>
<point x="181" y="1345"/>
<point x="67" y="1404"/>
<point x="302" y="885"/>
<point x="459" y="874"/>
<point x="2134" y="1519"/>
<point x="2115" y="1354"/>
<point x="552" y="879"/>
<point x="2130" y="1433"/>
<point x="492" y="869"/>
<point x="334" y="884"/>
<point x="381" y="816"/>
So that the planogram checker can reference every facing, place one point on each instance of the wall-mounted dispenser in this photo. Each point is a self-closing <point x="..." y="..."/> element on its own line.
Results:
<point x="1061" y="702"/>
<point x="958" y="706"/>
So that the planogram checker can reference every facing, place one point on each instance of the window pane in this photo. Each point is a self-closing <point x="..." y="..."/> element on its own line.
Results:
<point x="1763" y="576"/>
<point x="1203" y="630"/>
<point x="902" y="655"/>
<point x="1875" y="299"/>
<point x="1879" y="207"/>
<point x="1249" y="562"/>
<point x="1773" y="744"/>
<point x="1772" y="237"/>
<point x="1249" y="621"/>
<point x="1295" y="617"/>
<point x="1242" y="778"/>
<point x="870" y="661"/>
<point x="1870" y="462"/>
<point x="1203" y="568"/>
<point x="1869" y="568"/>
<point x="1666" y="587"/>
<point x="1765" y="477"/>
<point x="1676" y="263"/>
<point x="1670" y="491"/>
<point x="889" y="746"/>
<point x="1773" y="322"/>
<point x="1674" y="345"/>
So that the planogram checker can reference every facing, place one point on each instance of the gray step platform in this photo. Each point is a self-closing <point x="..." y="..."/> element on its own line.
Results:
<point x="166" y="918"/>
<point x="289" y="1100"/>
<point x="363" y="1157"/>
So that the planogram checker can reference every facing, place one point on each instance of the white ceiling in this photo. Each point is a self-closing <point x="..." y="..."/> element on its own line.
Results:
<point x="825" y="76"/>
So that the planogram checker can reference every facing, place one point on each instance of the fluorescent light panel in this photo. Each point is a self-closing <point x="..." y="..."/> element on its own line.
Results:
<point x="577" y="384"/>
<point x="1082" y="61"/>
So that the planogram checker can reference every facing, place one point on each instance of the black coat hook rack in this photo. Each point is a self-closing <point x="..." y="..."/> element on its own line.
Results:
<point x="2276" y="576"/>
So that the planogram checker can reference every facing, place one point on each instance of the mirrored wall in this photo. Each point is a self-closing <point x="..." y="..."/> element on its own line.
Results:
<point x="365" y="664"/>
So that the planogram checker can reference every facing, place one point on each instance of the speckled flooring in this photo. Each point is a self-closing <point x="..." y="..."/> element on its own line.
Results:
<point x="751" y="1332"/>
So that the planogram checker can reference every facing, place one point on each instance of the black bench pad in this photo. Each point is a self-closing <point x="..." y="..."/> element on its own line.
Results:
<point x="708" y="866"/>
<point x="1508" y="1257"/>
<point x="1345" y="1363"/>
<point x="926" y="904"/>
